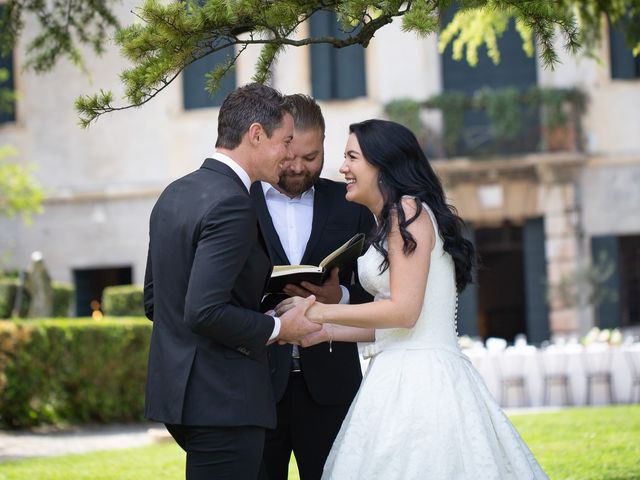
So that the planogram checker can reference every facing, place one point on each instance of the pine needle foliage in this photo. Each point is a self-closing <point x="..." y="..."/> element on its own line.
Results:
<point x="169" y="35"/>
<point x="65" y="25"/>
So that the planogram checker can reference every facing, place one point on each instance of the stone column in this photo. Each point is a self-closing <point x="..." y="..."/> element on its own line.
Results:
<point x="558" y="205"/>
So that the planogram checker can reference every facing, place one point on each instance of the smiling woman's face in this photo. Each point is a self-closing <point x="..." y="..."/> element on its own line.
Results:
<point x="361" y="177"/>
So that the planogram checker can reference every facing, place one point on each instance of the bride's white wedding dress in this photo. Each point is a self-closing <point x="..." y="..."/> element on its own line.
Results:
<point x="423" y="411"/>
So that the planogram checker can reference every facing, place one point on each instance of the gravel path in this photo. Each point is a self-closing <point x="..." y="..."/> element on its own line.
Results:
<point x="24" y="444"/>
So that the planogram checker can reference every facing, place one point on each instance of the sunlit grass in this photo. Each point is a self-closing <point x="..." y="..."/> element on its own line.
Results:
<point x="158" y="462"/>
<point x="585" y="443"/>
<point x="573" y="444"/>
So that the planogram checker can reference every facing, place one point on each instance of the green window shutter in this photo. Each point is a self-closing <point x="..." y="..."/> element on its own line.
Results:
<point x="468" y="299"/>
<point x="623" y="64"/>
<point x="349" y="73"/>
<point x="336" y="73"/>
<point x="193" y="81"/>
<point x="322" y="23"/>
<point x="535" y="272"/>
<point x="605" y="251"/>
<point x="7" y="107"/>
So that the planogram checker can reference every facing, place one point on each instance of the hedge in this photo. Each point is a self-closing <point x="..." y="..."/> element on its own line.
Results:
<point x="63" y="294"/>
<point x="65" y="371"/>
<point x="7" y="295"/>
<point x="123" y="300"/>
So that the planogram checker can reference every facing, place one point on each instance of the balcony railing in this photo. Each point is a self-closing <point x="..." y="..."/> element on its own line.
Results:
<point x="496" y="122"/>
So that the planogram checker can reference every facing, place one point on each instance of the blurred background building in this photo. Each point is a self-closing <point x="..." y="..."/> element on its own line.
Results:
<point x="543" y="165"/>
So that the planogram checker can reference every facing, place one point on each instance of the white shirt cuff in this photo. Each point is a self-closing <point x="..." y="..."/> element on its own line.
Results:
<point x="346" y="296"/>
<point x="276" y="327"/>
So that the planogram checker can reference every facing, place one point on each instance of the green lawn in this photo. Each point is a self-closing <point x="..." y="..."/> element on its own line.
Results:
<point x="585" y="443"/>
<point x="158" y="462"/>
<point x="573" y="444"/>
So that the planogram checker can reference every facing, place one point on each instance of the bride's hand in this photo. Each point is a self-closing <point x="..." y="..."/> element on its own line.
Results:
<point x="315" y="338"/>
<point x="314" y="312"/>
<point x="287" y="304"/>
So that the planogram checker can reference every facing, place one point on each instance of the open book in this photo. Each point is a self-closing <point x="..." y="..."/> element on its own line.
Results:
<point x="342" y="257"/>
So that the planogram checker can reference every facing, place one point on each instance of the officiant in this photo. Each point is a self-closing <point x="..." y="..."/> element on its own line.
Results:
<point x="304" y="218"/>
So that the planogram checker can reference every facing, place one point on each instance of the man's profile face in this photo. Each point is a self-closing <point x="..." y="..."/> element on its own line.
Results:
<point x="302" y="172"/>
<point x="274" y="151"/>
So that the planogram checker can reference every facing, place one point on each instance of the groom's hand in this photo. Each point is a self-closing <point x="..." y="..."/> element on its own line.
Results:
<point x="294" y="325"/>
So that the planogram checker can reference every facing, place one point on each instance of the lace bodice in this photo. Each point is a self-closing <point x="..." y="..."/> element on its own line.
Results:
<point x="436" y="325"/>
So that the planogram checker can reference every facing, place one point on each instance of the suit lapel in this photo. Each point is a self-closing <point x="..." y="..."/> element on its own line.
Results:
<point x="219" y="167"/>
<point x="266" y="225"/>
<point x="263" y="242"/>
<point x="322" y="205"/>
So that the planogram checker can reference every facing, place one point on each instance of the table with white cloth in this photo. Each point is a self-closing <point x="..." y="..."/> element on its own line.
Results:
<point x="515" y="374"/>
<point x="576" y="361"/>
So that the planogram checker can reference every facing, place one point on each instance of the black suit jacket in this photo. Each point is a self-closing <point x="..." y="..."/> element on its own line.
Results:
<point x="207" y="267"/>
<point x="332" y="378"/>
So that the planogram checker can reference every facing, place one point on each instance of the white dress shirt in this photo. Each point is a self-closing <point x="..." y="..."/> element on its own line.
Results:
<point x="292" y="218"/>
<point x="233" y="165"/>
<point x="246" y="181"/>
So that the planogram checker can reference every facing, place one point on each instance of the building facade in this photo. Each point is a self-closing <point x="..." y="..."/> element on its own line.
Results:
<point x="545" y="220"/>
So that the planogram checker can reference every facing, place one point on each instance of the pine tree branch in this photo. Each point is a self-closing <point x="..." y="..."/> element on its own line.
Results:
<point x="170" y="36"/>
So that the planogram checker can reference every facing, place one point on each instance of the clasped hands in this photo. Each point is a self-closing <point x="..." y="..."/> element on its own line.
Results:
<point x="298" y="323"/>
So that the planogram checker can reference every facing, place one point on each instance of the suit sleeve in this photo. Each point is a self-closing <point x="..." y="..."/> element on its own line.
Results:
<point x="227" y="235"/>
<point x="148" y="287"/>
<point x="358" y="294"/>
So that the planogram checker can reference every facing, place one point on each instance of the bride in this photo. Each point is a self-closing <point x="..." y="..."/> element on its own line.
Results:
<point x="422" y="412"/>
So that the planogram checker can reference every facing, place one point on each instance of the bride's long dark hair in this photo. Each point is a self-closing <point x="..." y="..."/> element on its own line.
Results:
<point x="405" y="170"/>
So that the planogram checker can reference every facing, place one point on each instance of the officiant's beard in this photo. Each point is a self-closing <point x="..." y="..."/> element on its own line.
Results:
<point x="296" y="184"/>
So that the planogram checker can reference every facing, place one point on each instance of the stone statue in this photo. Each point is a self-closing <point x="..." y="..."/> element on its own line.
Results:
<point x="38" y="284"/>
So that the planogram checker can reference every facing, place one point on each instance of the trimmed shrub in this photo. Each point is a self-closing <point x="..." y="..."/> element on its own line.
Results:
<point x="65" y="371"/>
<point x="123" y="300"/>
<point x="63" y="294"/>
<point x="8" y="288"/>
<point x="62" y="298"/>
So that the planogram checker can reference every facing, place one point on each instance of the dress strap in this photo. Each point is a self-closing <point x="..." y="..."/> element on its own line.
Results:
<point x="429" y="212"/>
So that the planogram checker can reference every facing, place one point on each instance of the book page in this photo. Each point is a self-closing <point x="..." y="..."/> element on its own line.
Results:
<point x="280" y="270"/>
<point x="336" y="253"/>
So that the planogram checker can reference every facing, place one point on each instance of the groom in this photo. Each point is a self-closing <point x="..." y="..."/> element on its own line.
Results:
<point x="208" y="374"/>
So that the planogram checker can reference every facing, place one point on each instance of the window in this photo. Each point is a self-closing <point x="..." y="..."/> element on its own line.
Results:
<point x="515" y="70"/>
<point x="336" y="73"/>
<point x="193" y="81"/>
<point x="623" y="64"/>
<point x="7" y="103"/>
<point x="618" y="290"/>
